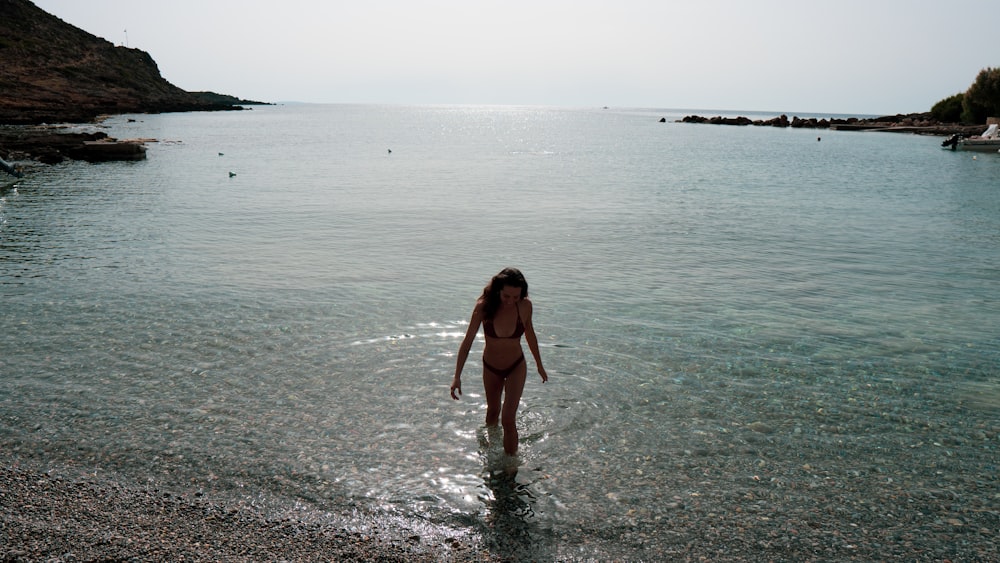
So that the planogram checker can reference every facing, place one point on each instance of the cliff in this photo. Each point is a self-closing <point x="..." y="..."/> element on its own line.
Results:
<point x="51" y="71"/>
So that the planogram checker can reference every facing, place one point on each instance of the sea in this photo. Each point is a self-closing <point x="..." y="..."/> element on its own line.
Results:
<point x="267" y="310"/>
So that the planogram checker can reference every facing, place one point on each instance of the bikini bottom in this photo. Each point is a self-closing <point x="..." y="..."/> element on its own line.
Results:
<point x="503" y="373"/>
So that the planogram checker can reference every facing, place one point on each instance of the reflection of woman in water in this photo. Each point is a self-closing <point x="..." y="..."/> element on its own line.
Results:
<point x="504" y="311"/>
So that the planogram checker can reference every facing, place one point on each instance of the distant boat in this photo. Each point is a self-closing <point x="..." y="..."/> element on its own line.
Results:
<point x="989" y="141"/>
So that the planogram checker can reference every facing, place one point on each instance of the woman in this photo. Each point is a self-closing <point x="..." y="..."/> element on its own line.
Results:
<point x="504" y="311"/>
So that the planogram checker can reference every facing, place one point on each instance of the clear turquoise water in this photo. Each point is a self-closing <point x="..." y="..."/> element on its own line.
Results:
<point x="286" y="336"/>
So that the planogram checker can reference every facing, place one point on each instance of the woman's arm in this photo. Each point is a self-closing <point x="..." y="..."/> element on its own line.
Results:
<point x="532" y="339"/>
<point x="463" y="350"/>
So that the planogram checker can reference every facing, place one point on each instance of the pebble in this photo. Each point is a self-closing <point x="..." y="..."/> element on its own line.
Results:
<point x="55" y="519"/>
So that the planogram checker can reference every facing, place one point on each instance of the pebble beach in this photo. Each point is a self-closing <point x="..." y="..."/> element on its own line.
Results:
<point x="938" y="504"/>
<point x="47" y="516"/>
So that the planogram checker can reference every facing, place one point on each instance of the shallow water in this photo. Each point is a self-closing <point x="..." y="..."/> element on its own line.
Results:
<point x="705" y="297"/>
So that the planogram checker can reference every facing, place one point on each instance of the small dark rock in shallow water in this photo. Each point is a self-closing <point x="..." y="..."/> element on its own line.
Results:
<point x="108" y="149"/>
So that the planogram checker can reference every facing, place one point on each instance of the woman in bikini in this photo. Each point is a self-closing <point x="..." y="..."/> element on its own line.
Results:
<point x="504" y="311"/>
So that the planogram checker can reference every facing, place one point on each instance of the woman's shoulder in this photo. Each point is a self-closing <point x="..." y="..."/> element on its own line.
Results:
<point x="524" y="305"/>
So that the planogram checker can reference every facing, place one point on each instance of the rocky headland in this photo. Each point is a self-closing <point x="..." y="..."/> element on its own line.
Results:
<point x="53" y="72"/>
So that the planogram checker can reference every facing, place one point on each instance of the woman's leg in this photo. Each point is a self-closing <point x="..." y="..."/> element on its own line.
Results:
<point x="493" y="385"/>
<point x="512" y="397"/>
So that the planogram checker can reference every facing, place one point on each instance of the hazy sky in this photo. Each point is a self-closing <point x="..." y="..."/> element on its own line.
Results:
<point x="837" y="56"/>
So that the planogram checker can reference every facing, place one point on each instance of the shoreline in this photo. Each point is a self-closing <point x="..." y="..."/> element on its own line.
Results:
<point x="915" y="123"/>
<point x="926" y="494"/>
<point x="52" y="515"/>
<point x="35" y="145"/>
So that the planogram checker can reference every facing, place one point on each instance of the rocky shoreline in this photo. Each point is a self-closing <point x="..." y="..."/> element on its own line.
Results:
<point x="915" y="123"/>
<point x="52" y="145"/>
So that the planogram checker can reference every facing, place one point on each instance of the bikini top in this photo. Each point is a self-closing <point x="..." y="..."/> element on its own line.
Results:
<point x="490" y="331"/>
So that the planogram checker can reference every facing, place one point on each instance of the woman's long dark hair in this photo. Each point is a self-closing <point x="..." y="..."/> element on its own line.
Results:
<point x="491" y="293"/>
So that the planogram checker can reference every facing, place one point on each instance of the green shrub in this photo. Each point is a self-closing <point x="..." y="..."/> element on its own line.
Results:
<point x="982" y="99"/>
<point x="949" y="110"/>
